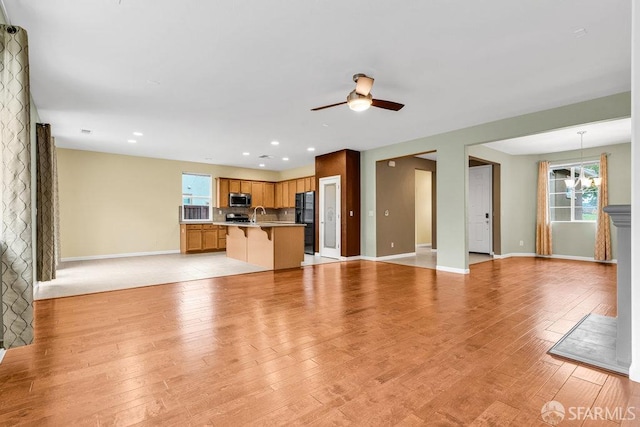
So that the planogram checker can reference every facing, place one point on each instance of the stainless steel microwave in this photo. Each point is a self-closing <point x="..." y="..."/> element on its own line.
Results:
<point x="239" y="200"/>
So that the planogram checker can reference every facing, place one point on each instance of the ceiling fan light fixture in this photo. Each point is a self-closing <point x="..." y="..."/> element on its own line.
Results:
<point x="359" y="102"/>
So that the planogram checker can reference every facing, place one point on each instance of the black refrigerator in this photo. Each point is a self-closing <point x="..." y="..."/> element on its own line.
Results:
<point x="306" y="214"/>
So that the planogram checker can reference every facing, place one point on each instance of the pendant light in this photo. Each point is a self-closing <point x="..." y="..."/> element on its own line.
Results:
<point x="584" y="180"/>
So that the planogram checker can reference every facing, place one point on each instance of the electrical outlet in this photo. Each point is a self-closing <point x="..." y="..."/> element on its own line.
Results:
<point x="392" y="244"/>
<point x="521" y="242"/>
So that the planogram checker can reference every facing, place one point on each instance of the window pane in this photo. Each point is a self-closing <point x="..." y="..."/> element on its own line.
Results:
<point x="560" y="214"/>
<point x="196" y="185"/>
<point x="560" y="200"/>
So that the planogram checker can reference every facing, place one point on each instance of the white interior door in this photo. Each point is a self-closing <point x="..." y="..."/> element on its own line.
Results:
<point x="330" y="217"/>
<point x="480" y="209"/>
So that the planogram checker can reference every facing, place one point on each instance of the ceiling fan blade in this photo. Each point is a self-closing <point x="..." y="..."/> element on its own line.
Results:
<point x="363" y="85"/>
<point x="328" y="106"/>
<point x="387" y="105"/>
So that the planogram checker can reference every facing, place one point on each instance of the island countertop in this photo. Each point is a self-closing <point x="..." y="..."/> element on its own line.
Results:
<point x="257" y="224"/>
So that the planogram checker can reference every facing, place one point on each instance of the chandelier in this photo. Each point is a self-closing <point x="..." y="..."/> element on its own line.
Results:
<point x="583" y="179"/>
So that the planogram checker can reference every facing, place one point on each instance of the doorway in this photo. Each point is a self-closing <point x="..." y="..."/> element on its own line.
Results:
<point x="423" y="207"/>
<point x="329" y="229"/>
<point x="480" y="218"/>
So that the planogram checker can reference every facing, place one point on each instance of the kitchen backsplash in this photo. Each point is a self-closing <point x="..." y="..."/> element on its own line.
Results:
<point x="283" y="214"/>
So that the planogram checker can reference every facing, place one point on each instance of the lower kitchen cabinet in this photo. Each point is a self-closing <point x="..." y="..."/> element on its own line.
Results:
<point x="196" y="238"/>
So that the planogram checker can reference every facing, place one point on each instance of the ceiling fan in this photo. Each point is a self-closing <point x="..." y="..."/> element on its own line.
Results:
<point x="360" y="98"/>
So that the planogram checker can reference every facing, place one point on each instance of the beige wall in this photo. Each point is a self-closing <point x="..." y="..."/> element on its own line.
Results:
<point x="113" y="204"/>
<point x="423" y="207"/>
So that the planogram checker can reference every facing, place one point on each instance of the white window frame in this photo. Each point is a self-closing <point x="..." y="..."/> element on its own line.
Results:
<point x="575" y="169"/>
<point x="208" y="199"/>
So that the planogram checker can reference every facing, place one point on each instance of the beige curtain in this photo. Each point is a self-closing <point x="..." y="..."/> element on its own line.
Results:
<point x="15" y="239"/>
<point x="543" y="221"/>
<point x="603" y="230"/>
<point x="46" y="203"/>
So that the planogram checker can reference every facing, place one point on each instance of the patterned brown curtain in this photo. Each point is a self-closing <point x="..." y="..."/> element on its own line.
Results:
<point x="543" y="220"/>
<point x="46" y="202"/>
<point x="16" y="239"/>
<point x="603" y="230"/>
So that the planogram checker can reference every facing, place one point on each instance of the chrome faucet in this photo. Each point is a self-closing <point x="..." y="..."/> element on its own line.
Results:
<point x="255" y="213"/>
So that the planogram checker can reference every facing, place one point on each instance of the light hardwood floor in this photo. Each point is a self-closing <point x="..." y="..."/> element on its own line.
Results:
<point x="352" y="343"/>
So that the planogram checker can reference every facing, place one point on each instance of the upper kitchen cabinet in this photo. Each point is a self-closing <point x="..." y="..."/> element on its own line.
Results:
<point x="269" y="195"/>
<point x="223" y="187"/>
<point x="346" y="164"/>
<point x="257" y="193"/>
<point x="277" y="195"/>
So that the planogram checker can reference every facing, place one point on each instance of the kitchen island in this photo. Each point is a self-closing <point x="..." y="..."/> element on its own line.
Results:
<point x="272" y="245"/>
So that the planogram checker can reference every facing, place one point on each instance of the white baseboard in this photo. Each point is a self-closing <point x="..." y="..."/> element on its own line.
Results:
<point x="2" y="352"/>
<point x="514" y="255"/>
<point x="132" y="254"/>
<point x="423" y="245"/>
<point x="582" y="258"/>
<point x="568" y="257"/>
<point x="452" y="270"/>
<point x="384" y="258"/>
<point x="395" y="256"/>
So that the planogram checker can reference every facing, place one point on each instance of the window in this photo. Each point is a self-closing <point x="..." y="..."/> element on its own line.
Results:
<point x="196" y="197"/>
<point x="579" y="203"/>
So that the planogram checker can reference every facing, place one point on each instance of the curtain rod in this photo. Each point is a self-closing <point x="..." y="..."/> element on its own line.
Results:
<point x="4" y="12"/>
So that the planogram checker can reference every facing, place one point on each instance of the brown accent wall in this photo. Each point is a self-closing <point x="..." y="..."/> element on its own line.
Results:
<point x="345" y="163"/>
<point x="395" y="191"/>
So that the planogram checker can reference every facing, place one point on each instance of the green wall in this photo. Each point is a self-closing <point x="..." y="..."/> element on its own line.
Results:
<point x="452" y="170"/>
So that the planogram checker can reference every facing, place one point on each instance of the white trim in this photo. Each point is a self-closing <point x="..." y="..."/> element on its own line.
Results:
<point x="568" y="257"/>
<point x="350" y="258"/>
<point x="2" y="353"/>
<point x="368" y="258"/>
<point x="396" y="256"/>
<point x="132" y="254"/>
<point x="452" y="270"/>
<point x="514" y="255"/>
<point x="582" y="258"/>
<point x="423" y="245"/>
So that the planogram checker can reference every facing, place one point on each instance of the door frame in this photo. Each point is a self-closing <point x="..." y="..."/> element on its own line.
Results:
<point x="330" y="252"/>
<point x="489" y="203"/>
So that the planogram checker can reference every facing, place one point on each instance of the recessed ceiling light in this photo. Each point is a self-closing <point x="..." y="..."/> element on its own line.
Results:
<point x="261" y="165"/>
<point x="153" y="82"/>
<point x="85" y="131"/>
<point x="131" y="141"/>
<point x="246" y="153"/>
<point x="285" y="159"/>
<point x="311" y="149"/>
<point x="275" y="143"/>
<point x="138" y="133"/>
<point x="325" y="125"/>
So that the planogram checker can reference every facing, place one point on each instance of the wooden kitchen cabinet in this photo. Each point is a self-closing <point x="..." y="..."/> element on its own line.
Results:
<point x="245" y="186"/>
<point x="285" y="194"/>
<point x="300" y="185"/>
<point x="307" y="183"/>
<point x="293" y="189"/>
<point x="277" y="194"/>
<point x="269" y="195"/>
<point x="209" y="237"/>
<point x="223" y="191"/>
<point x="257" y="193"/>
<point x="196" y="238"/>
<point x="234" y="186"/>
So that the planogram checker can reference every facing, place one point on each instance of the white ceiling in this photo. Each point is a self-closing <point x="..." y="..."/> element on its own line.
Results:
<point x="205" y="81"/>
<point x="597" y="134"/>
